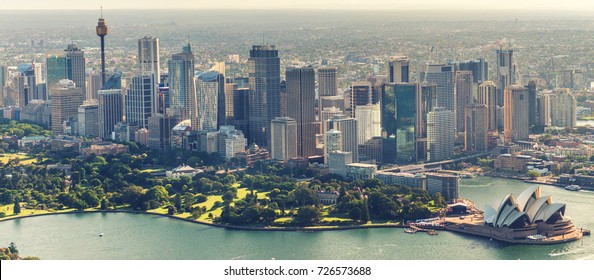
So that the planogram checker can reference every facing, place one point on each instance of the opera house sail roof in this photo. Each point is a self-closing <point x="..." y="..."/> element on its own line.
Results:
<point x="529" y="208"/>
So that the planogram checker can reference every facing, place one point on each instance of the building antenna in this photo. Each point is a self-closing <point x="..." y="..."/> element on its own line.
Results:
<point x="101" y="11"/>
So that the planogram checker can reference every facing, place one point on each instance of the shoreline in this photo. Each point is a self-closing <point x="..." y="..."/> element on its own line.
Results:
<point x="232" y="227"/>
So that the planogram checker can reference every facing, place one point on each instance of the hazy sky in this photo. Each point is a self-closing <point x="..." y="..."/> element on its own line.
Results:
<point x="580" y="5"/>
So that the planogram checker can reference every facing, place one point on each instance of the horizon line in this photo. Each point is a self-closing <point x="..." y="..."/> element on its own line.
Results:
<point x="568" y="9"/>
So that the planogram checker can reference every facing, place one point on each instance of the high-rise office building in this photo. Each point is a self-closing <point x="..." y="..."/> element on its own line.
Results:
<point x="505" y="71"/>
<point x="241" y="107"/>
<point x="208" y="87"/>
<point x="399" y="69"/>
<point x="532" y="106"/>
<point x="75" y="66"/>
<point x="399" y="121"/>
<point x="327" y="81"/>
<point x="563" y="108"/>
<point x="478" y="67"/>
<point x="544" y="110"/>
<point x="443" y="76"/>
<point x="25" y="84"/>
<point x="230" y="88"/>
<point x="160" y="127"/>
<point x="88" y="118"/>
<point x="333" y="142"/>
<point x="361" y="94"/>
<point x="464" y="86"/>
<point x="284" y="138"/>
<point x="55" y="69"/>
<point x="265" y="91"/>
<point x="440" y="140"/>
<point x="301" y="98"/>
<point x="475" y="132"/>
<point x="140" y="99"/>
<point x="182" y="92"/>
<point x="65" y="101"/>
<point x="428" y="101"/>
<point x="148" y="56"/>
<point x="348" y="128"/>
<point x="515" y="113"/>
<point x="487" y="95"/>
<point x="368" y="122"/>
<point x="93" y="85"/>
<point x="110" y="111"/>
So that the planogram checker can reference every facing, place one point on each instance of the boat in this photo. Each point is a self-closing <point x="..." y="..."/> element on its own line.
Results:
<point x="536" y="237"/>
<point x="432" y="232"/>
<point x="573" y="188"/>
<point x="100" y="232"/>
<point x="410" y="230"/>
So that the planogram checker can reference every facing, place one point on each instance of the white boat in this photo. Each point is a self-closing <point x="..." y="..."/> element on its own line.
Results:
<point x="573" y="188"/>
<point x="536" y="237"/>
<point x="410" y="230"/>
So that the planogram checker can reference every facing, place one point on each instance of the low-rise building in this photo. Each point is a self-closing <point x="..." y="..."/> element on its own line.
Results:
<point x="253" y="155"/>
<point x="105" y="149"/>
<point x="327" y="198"/>
<point x="416" y="181"/>
<point x="182" y="170"/>
<point x="31" y="141"/>
<point x="512" y="162"/>
<point x="446" y="184"/>
<point x="360" y="171"/>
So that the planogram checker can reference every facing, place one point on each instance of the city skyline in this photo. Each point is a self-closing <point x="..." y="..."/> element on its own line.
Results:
<point x="577" y="5"/>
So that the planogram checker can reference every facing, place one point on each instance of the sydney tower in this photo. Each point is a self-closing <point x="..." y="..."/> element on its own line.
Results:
<point x="101" y="32"/>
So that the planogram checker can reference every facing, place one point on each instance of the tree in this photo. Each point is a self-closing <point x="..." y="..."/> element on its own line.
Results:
<point x="17" y="207"/>
<point x="90" y="198"/>
<point x="308" y="215"/>
<point x="178" y="203"/>
<point x="532" y="174"/>
<point x="229" y="196"/>
<point x="305" y="196"/>
<point x="13" y="248"/>
<point x="103" y="204"/>
<point x="80" y="205"/>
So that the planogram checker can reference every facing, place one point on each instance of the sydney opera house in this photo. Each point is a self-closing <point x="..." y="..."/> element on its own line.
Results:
<point x="529" y="218"/>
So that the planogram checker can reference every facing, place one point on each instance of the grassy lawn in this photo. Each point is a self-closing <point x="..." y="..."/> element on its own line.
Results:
<point x="8" y="209"/>
<point x="24" y="159"/>
<point x="243" y="191"/>
<point x="338" y="219"/>
<point x="151" y="170"/>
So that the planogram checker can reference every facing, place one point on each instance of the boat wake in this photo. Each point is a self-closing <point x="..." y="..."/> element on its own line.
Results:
<point x="563" y="253"/>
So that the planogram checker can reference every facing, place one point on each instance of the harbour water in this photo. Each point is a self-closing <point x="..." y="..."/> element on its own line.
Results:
<point x="138" y="236"/>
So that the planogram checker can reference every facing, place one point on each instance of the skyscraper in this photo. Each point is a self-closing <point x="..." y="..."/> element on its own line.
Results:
<point x="515" y="113"/>
<point x="284" y="144"/>
<point x="265" y="99"/>
<point x="348" y="128"/>
<point x="399" y="69"/>
<point x="75" y="66"/>
<point x="505" y="71"/>
<point x="65" y="101"/>
<point x="93" y="85"/>
<point x="110" y="111"/>
<point x="140" y="99"/>
<point x="361" y="94"/>
<point x="532" y="113"/>
<point x="88" y="118"/>
<point x="440" y="140"/>
<point x="475" y="132"/>
<point x="443" y="76"/>
<point x="563" y="108"/>
<point x="332" y="142"/>
<point x="400" y="103"/>
<point x="301" y="100"/>
<point x="479" y="68"/>
<point x="368" y="122"/>
<point x="487" y="96"/>
<point x="182" y="92"/>
<point x="241" y="107"/>
<point x="208" y="87"/>
<point x="544" y="110"/>
<point x="464" y="85"/>
<point x="327" y="81"/>
<point x="55" y="69"/>
<point x="148" y="56"/>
